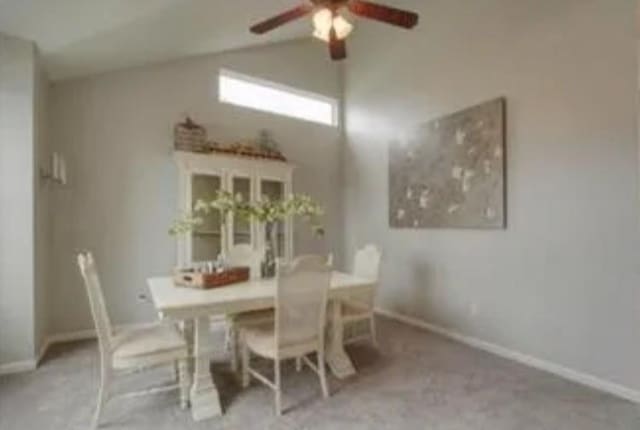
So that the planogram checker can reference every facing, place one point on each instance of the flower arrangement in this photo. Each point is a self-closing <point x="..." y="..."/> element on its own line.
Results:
<point x="266" y="211"/>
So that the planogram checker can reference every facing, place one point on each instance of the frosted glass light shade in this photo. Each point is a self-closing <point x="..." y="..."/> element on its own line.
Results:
<point x="323" y="21"/>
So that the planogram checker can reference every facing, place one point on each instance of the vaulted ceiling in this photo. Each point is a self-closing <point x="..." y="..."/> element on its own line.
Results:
<point x="81" y="37"/>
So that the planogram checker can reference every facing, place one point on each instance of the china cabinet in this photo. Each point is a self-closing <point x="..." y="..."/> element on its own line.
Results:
<point x="202" y="175"/>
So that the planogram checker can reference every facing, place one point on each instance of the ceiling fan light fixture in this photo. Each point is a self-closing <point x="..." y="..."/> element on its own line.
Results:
<point x="331" y="27"/>
<point x="324" y="20"/>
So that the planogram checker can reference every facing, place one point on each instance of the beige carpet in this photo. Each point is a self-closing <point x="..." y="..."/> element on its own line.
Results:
<point x="416" y="381"/>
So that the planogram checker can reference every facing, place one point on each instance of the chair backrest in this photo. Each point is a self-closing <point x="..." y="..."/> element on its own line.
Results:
<point x="96" y="300"/>
<point x="246" y="255"/>
<point x="301" y="301"/>
<point x="367" y="262"/>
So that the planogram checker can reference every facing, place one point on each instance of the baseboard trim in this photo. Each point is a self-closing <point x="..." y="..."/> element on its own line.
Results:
<point x="74" y="336"/>
<point x="44" y="347"/>
<point x="18" y="367"/>
<point x="537" y="363"/>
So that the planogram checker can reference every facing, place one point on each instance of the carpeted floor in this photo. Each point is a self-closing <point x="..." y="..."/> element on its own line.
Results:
<point x="416" y="381"/>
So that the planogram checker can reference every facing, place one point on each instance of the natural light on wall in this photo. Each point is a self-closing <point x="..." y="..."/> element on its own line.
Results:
<point x="250" y="92"/>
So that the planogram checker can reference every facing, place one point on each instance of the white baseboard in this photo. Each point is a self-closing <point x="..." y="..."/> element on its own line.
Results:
<point x="71" y="336"/>
<point x="537" y="363"/>
<point x="18" y="367"/>
<point x="29" y="365"/>
<point x="26" y="365"/>
<point x="217" y="323"/>
<point x="44" y="347"/>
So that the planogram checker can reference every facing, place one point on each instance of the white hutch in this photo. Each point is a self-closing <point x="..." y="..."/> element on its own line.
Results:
<point x="201" y="175"/>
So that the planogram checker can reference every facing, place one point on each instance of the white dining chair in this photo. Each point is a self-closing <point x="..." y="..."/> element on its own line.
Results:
<point x="243" y="255"/>
<point x="299" y="326"/>
<point x="361" y="307"/>
<point x="237" y="321"/>
<point x="266" y="315"/>
<point x="127" y="350"/>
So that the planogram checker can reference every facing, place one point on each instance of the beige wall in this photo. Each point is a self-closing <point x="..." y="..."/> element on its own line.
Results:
<point x="561" y="282"/>
<point x="115" y="131"/>
<point x="17" y="176"/>
<point x="42" y="201"/>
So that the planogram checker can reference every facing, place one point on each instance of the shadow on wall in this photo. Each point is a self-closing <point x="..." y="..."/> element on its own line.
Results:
<point x="409" y="290"/>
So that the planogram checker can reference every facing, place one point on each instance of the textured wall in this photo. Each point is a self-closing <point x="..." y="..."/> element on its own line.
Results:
<point x="115" y="131"/>
<point x="561" y="283"/>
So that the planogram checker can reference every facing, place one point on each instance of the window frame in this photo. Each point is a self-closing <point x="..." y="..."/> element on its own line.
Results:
<point x="252" y="80"/>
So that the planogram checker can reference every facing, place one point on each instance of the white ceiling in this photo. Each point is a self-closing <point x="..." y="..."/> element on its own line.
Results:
<point x="81" y="37"/>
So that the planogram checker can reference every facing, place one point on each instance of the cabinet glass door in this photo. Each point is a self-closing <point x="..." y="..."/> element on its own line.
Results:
<point x="241" y="228"/>
<point x="274" y="190"/>
<point x="206" y="239"/>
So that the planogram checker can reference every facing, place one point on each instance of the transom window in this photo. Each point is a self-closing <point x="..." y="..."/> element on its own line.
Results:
<point x="247" y="91"/>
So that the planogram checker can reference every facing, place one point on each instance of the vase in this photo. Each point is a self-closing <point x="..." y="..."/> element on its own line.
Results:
<point x="269" y="263"/>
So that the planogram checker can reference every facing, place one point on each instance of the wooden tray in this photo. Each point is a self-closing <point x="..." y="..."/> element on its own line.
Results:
<point x="231" y="275"/>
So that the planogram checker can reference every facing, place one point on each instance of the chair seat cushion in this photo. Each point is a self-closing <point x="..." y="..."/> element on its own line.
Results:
<point x="261" y="339"/>
<point x="253" y="317"/>
<point x="354" y="310"/>
<point x="154" y="340"/>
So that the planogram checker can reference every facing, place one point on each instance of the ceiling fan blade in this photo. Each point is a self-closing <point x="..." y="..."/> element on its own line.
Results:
<point x="386" y="14"/>
<point x="283" y="18"/>
<point x="337" y="47"/>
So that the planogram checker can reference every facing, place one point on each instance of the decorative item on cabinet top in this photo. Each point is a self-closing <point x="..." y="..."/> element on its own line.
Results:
<point x="192" y="137"/>
<point x="264" y="146"/>
<point x="189" y="136"/>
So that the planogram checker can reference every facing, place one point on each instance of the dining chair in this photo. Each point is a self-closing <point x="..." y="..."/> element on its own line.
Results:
<point x="266" y="315"/>
<point x="237" y="321"/>
<point x="130" y="350"/>
<point x="361" y="307"/>
<point x="243" y="255"/>
<point x="298" y="328"/>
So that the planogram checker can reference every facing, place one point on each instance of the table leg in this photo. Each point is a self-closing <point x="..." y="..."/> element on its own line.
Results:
<point x="205" y="402"/>
<point x="187" y="332"/>
<point x="337" y="358"/>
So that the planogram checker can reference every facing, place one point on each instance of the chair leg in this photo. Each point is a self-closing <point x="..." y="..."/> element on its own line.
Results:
<point x="185" y="382"/>
<point x="245" y="364"/>
<point x="227" y="336"/>
<point x="103" y="395"/>
<point x="322" y="374"/>
<point x="372" y="329"/>
<point x="233" y="346"/>
<point x="298" y="364"/>
<point x="278" y="388"/>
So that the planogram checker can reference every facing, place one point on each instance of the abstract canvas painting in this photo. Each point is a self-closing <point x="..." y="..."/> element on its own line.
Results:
<point x="451" y="172"/>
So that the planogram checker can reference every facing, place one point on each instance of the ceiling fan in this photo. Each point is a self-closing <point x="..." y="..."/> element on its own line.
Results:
<point x="331" y="26"/>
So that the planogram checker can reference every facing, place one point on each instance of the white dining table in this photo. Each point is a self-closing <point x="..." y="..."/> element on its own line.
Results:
<point x="195" y="308"/>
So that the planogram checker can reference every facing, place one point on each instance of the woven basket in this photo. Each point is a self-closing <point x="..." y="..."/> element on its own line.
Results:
<point x="189" y="136"/>
<point x="231" y="275"/>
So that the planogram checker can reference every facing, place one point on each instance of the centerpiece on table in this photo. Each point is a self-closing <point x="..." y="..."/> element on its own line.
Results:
<point x="265" y="211"/>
